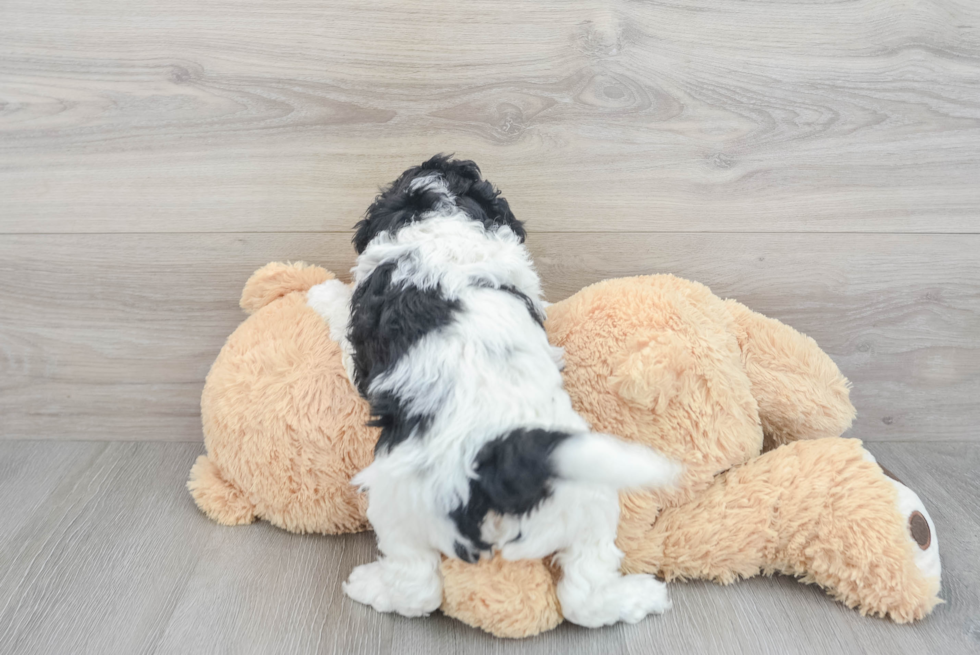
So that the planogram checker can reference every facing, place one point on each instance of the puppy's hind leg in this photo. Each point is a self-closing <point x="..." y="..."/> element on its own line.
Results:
<point x="406" y="579"/>
<point x="592" y="591"/>
<point x="408" y="583"/>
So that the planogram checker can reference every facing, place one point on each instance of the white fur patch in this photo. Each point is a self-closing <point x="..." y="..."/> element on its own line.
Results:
<point x="331" y="300"/>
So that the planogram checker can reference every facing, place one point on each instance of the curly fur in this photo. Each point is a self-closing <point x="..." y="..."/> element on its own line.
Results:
<point x="480" y="449"/>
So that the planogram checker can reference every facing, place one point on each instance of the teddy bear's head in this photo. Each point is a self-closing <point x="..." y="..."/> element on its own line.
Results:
<point x="655" y="359"/>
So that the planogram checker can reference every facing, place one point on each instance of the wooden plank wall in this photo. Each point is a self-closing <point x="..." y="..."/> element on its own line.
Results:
<point x="818" y="161"/>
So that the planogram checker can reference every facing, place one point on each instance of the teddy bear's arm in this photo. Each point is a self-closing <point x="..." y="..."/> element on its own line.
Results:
<point x="820" y="510"/>
<point x="800" y="391"/>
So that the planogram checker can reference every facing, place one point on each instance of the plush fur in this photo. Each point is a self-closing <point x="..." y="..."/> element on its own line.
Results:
<point x="480" y="449"/>
<point x="653" y="359"/>
<point x="282" y="423"/>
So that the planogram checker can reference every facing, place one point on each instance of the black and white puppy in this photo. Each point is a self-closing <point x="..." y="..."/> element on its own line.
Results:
<point x="479" y="449"/>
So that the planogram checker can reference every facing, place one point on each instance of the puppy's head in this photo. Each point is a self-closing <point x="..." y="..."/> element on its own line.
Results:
<point x="438" y="184"/>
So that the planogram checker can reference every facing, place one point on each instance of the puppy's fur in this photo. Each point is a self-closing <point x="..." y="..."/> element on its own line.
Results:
<point x="479" y="449"/>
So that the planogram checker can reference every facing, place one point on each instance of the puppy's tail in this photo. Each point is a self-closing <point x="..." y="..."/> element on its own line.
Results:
<point x="602" y="459"/>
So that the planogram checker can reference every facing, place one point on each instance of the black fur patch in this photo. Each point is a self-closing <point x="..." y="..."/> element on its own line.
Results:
<point x="386" y="321"/>
<point x="465" y="554"/>
<point x="513" y="476"/>
<point x="395" y="423"/>
<point x="398" y="205"/>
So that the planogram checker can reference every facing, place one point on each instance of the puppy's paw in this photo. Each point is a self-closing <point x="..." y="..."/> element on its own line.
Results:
<point x="639" y="596"/>
<point x="628" y="598"/>
<point x="366" y="586"/>
<point x="405" y="589"/>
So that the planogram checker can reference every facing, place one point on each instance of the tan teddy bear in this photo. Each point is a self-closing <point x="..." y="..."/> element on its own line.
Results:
<point x="653" y="359"/>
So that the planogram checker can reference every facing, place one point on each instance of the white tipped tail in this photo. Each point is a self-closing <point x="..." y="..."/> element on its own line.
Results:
<point x="602" y="459"/>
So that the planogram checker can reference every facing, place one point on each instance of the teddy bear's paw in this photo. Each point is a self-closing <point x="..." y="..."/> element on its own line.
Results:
<point x="390" y="588"/>
<point x="628" y="598"/>
<point x="920" y="529"/>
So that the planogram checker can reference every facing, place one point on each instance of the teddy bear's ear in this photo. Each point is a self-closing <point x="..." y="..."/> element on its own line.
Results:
<point x="275" y="280"/>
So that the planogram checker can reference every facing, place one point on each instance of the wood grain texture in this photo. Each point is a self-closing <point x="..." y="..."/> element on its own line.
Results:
<point x="115" y="558"/>
<point x="103" y="560"/>
<point x="28" y="477"/>
<point x="592" y="115"/>
<point x="110" y="336"/>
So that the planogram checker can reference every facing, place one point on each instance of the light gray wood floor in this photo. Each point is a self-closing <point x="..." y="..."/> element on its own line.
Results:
<point x="103" y="551"/>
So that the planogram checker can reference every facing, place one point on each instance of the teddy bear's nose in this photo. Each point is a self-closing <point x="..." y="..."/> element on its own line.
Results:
<point x="918" y="525"/>
<point x="919" y="529"/>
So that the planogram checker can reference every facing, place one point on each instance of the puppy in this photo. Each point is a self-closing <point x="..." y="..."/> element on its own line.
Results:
<point x="479" y="448"/>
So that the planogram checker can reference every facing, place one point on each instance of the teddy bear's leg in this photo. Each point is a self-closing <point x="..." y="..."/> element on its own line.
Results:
<point x="507" y="599"/>
<point x="580" y="522"/>
<point x="820" y="510"/>
<point x="800" y="391"/>
<point x="218" y="498"/>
